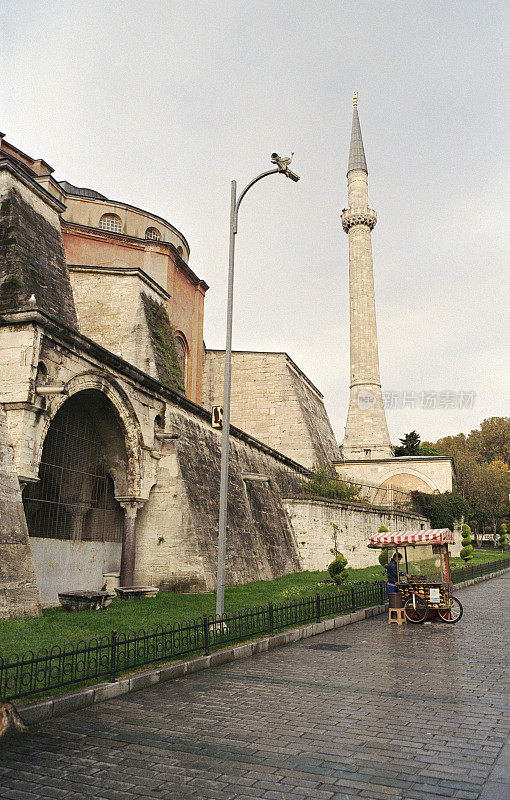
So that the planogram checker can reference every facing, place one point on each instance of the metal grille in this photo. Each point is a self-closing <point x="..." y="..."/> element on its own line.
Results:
<point x="74" y="496"/>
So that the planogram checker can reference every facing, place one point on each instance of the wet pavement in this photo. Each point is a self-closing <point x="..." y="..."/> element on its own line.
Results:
<point x="370" y="710"/>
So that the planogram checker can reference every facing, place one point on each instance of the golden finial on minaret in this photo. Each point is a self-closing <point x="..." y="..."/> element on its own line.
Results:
<point x="355" y="100"/>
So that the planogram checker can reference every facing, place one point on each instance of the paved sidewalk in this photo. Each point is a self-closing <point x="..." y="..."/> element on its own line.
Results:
<point x="410" y="712"/>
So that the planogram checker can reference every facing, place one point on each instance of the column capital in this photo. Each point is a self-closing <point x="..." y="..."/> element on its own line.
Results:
<point x="131" y="505"/>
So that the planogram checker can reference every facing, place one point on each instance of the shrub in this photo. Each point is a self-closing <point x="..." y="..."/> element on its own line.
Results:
<point x="467" y="548"/>
<point x="337" y="569"/>
<point x="323" y="484"/>
<point x="503" y="538"/>
<point x="383" y="555"/>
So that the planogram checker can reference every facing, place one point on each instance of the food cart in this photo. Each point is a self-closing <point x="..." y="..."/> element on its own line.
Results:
<point x="426" y="587"/>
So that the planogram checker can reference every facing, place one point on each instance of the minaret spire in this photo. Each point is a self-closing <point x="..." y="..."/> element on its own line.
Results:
<point x="357" y="158"/>
<point x="366" y="431"/>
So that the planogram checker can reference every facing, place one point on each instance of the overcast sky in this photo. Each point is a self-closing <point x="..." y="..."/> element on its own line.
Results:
<point x="161" y="104"/>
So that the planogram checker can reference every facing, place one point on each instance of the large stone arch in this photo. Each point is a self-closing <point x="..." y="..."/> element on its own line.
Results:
<point x="400" y="481"/>
<point x="128" y="484"/>
<point x="88" y="467"/>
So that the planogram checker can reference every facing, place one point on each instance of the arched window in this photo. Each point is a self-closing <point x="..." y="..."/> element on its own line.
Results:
<point x="182" y="354"/>
<point x="180" y="251"/>
<point x="110" y="222"/>
<point x="153" y="233"/>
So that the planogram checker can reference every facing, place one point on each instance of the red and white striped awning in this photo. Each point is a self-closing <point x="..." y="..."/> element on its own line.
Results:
<point x="432" y="536"/>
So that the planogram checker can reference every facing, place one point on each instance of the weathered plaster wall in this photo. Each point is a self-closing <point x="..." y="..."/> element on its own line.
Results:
<point x="275" y="402"/>
<point x="18" y="590"/>
<point x="62" y="566"/>
<point x="314" y="520"/>
<point x="134" y="221"/>
<point x="186" y="309"/>
<point x="183" y="509"/>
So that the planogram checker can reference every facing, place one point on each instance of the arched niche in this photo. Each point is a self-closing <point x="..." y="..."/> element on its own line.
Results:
<point x="408" y="482"/>
<point x="84" y="465"/>
<point x="106" y="399"/>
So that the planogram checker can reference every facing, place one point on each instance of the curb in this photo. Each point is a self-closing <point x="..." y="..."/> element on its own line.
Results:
<point x="480" y="579"/>
<point x="74" y="701"/>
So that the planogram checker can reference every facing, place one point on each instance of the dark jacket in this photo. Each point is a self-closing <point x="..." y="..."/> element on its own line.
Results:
<point x="392" y="571"/>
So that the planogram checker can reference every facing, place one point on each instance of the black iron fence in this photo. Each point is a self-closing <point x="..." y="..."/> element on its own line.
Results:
<point x="107" y="656"/>
<point x="476" y="571"/>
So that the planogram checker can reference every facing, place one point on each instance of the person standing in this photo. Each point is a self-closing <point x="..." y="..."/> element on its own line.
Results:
<point x="393" y="573"/>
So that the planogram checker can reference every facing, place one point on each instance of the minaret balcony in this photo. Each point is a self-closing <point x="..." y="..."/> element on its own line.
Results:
<point x="358" y="216"/>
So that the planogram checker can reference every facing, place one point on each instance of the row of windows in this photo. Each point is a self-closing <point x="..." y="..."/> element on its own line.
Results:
<point x="111" y="222"/>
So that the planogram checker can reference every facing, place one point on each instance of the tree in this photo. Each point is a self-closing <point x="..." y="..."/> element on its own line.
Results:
<point x="383" y="555"/>
<point x="410" y="445"/>
<point x="482" y="480"/>
<point x="443" y="510"/>
<point x="337" y="569"/>
<point x="467" y="548"/>
<point x="502" y="543"/>
<point x="492" y="441"/>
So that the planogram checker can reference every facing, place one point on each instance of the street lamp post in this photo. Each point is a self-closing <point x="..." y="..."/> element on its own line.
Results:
<point x="283" y="168"/>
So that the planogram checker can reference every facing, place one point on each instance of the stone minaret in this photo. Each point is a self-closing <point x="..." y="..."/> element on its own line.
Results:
<point x="366" y="431"/>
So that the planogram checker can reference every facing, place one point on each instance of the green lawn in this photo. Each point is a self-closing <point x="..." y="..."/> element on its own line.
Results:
<point x="58" y="627"/>
<point x="481" y="557"/>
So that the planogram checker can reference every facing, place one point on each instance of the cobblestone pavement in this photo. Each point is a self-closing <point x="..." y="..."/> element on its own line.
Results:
<point x="393" y="712"/>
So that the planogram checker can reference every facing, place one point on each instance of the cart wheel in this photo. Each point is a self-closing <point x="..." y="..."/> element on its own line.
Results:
<point x="452" y="614"/>
<point x="416" y="609"/>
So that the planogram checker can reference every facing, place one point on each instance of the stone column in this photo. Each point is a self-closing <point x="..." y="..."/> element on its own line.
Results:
<point x="77" y="513"/>
<point x="127" y="561"/>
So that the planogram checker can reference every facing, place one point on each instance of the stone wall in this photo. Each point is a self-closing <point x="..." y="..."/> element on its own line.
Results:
<point x="18" y="590"/>
<point x="314" y="524"/>
<point x="177" y="530"/>
<point x="274" y="402"/>
<point x="32" y="258"/>
<point x="110" y="311"/>
<point x="110" y="256"/>
<point x="171" y="464"/>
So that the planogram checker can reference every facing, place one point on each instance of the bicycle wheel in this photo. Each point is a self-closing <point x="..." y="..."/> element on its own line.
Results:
<point x="453" y="613"/>
<point x="416" y="609"/>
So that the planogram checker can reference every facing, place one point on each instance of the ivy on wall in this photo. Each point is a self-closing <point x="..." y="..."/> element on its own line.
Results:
<point x="163" y="344"/>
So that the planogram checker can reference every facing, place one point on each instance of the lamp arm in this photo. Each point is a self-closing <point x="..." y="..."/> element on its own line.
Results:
<point x="246" y="189"/>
